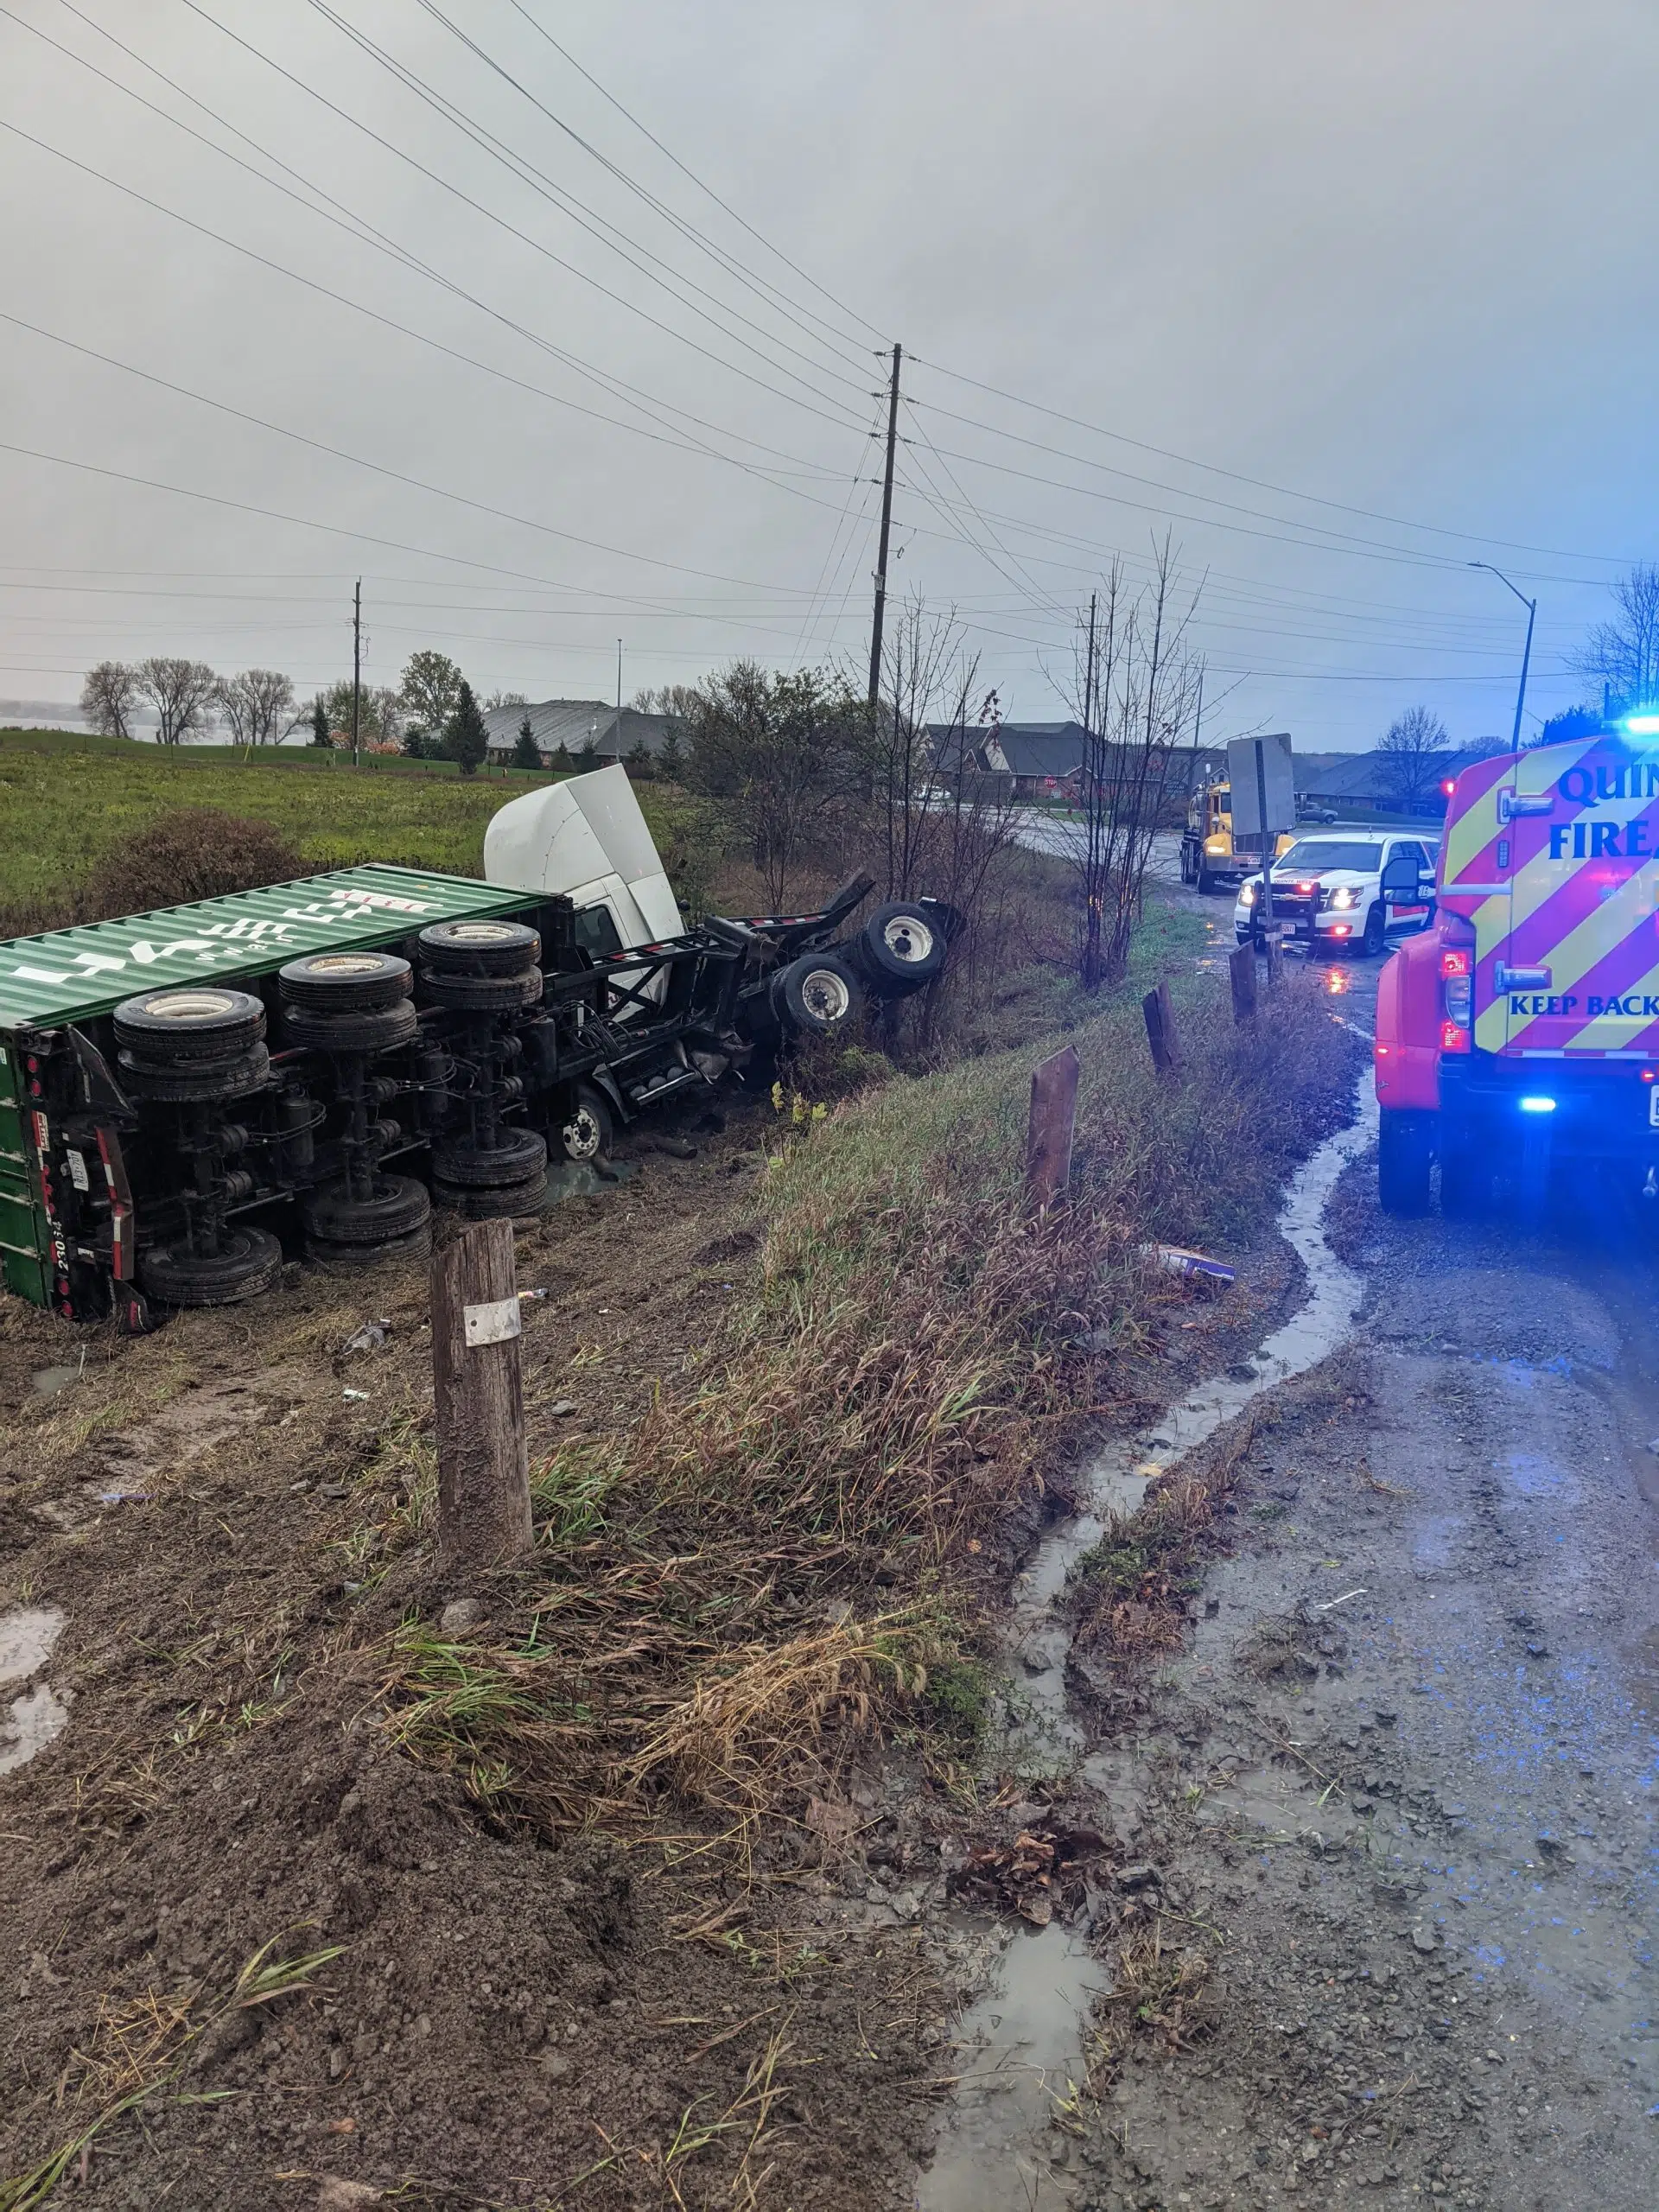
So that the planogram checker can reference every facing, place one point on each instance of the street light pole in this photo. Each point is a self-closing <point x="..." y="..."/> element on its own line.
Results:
<point x="1531" y="605"/>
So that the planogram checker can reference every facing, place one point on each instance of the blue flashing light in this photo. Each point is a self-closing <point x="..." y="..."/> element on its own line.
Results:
<point x="1535" y="1105"/>
<point x="1641" y="725"/>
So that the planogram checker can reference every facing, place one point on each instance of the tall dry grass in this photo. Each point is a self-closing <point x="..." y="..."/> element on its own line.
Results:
<point x="784" y="1553"/>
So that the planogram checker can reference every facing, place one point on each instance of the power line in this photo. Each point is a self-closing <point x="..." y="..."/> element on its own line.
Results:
<point x="524" y="237"/>
<point x="777" y="301"/>
<point x="707" y="190"/>
<point x="1314" y="498"/>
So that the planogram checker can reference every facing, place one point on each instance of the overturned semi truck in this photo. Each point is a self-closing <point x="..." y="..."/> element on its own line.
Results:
<point x="189" y="1097"/>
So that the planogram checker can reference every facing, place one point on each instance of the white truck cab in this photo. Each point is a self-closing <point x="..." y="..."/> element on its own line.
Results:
<point x="1327" y="892"/>
<point x="586" y="838"/>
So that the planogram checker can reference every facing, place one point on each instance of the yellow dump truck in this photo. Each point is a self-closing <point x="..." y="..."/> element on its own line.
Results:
<point x="1210" y="854"/>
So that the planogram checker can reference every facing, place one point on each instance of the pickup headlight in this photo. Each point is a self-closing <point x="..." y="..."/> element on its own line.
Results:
<point x="1247" y="896"/>
<point x="1341" y="899"/>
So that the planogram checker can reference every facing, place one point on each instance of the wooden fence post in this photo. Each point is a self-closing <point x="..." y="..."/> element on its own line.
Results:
<point x="1161" y="1029"/>
<point x="1241" y="965"/>
<point x="1275" y="946"/>
<point x="1048" y="1135"/>
<point x="483" y="1466"/>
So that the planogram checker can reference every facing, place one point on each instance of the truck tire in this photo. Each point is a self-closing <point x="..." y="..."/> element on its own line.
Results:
<point x="898" y="949"/>
<point x="345" y="982"/>
<point x="520" y="1153"/>
<point x="1404" y="1148"/>
<point x="248" y="1262"/>
<point x="196" y="1081"/>
<point x="1376" y="939"/>
<point x="585" y="1132"/>
<point x="189" y="1022"/>
<point x="325" y="1252"/>
<point x="817" y="994"/>
<point x="484" y="994"/>
<point x="506" y="1201"/>
<point x="399" y="1207"/>
<point x="380" y="1029"/>
<point x="1206" y="881"/>
<point x="482" y="947"/>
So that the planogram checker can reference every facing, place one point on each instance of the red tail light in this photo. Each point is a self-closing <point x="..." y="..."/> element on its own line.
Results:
<point x="1457" y="997"/>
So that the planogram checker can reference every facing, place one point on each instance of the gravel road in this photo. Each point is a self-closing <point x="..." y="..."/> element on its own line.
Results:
<point x="1398" y="1785"/>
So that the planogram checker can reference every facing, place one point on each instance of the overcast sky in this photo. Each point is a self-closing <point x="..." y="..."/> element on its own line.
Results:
<point x="1399" y="257"/>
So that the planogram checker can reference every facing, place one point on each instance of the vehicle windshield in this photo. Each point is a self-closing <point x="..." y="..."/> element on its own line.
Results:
<point x="1333" y="852"/>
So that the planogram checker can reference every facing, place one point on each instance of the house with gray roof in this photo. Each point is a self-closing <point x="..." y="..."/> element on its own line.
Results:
<point x="573" y="725"/>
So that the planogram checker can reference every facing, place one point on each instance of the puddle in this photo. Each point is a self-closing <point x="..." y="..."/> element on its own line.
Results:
<point x="26" y="1641"/>
<point x="1018" y="2049"/>
<point x="47" y="1381"/>
<point x="35" y="1720"/>
<point x="1115" y="1484"/>
<point x="32" y="1720"/>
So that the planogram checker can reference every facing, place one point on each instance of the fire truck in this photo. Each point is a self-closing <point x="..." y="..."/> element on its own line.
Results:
<point x="1210" y="854"/>
<point x="1521" y="1030"/>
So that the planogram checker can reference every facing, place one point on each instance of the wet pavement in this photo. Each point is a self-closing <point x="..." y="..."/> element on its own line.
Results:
<point x="1404" y="1773"/>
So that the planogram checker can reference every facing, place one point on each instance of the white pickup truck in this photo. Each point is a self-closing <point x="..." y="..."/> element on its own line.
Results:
<point x="1328" y="894"/>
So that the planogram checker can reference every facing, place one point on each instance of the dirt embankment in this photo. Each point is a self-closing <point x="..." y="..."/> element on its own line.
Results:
<point x="604" y="1890"/>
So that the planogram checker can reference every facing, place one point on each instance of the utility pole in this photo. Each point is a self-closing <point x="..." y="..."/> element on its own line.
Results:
<point x="619" y="698"/>
<point x="357" y="675"/>
<point x="886" y="527"/>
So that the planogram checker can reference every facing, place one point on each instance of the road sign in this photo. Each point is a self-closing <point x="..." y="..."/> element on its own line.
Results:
<point x="1259" y="770"/>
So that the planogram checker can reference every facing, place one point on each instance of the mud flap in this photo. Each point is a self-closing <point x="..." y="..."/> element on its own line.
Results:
<point x="134" y="1316"/>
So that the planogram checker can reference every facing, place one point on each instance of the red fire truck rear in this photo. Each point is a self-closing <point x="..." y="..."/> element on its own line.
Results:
<point x="1521" y="1030"/>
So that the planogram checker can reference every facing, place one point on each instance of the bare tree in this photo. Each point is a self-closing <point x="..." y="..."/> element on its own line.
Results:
<point x="1416" y="744"/>
<point x="1623" y="654"/>
<point x="499" y="699"/>
<point x="1137" y="688"/>
<point x="181" y="691"/>
<point x="109" y="695"/>
<point x="258" y="704"/>
<point x="670" y="699"/>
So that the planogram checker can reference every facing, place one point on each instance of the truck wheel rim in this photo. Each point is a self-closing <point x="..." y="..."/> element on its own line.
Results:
<point x="343" y="965"/>
<point x="581" y="1133"/>
<point x="908" y="939"/>
<point x="826" y="996"/>
<point x="481" y="933"/>
<point x="189" y="1005"/>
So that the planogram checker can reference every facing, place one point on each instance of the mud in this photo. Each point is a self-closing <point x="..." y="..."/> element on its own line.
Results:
<point x="1398" y="1783"/>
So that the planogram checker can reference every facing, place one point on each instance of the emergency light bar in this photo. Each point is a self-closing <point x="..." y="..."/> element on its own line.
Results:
<point x="1645" y="725"/>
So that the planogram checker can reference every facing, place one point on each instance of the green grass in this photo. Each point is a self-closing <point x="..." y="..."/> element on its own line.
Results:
<point x="65" y="798"/>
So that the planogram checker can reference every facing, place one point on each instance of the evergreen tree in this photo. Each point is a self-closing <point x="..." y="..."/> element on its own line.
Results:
<point x="320" y="722"/>
<point x="563" y="760"/>
<point x="587" y="758"/>
<point x="466" y="741"/>
<point x="526" y="753"/>
<point x="670" y="758"/>
<point x="418" y="746"/>
<point x="640" y="763"/>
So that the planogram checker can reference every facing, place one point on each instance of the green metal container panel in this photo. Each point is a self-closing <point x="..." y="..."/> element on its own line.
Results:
<point x="73" y="974"/>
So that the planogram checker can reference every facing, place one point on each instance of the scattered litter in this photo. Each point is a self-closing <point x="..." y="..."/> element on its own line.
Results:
<point x="532" y="1294"/>
<point x="1331" y="1603"/>
<point x="1195" y="1265"/>
<point x="336" y="2195"/>
<point x="121" y="1496"/>
<point x="369" y="1337"/>
<point x="359" y="1397"/>
<point x="333" y="1490"/>
<point x="563" y="1407"/>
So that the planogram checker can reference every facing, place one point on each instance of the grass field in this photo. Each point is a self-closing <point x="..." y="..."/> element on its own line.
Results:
<point x="65" y="798"/>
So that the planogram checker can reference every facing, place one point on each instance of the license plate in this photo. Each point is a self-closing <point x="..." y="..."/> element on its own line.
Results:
<point x="1652" y="1105"/>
